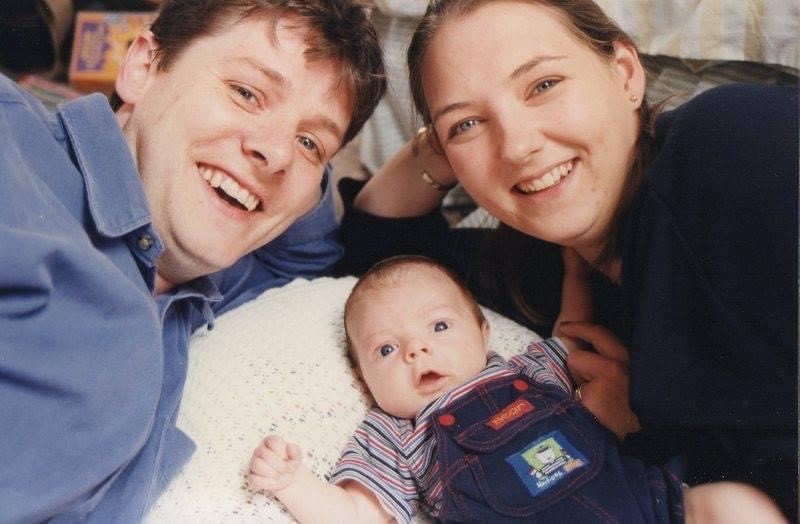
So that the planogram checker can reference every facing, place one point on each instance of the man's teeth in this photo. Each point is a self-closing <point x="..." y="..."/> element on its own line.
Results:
<point x="548" y="180"/>
<point x="219" y="180"/>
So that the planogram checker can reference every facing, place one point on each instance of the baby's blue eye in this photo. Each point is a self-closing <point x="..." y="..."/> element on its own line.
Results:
<point x="440" y="326"/>
<point x="386" y="350"/>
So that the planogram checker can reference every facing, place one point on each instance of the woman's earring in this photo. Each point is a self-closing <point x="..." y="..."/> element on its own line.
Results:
<point x="633" y="98"/>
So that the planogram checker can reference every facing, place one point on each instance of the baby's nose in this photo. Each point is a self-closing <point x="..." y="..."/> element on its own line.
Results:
<point x="415" y="348"/>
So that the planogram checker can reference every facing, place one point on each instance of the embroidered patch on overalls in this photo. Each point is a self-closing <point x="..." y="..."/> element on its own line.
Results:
<point x="546" y="461"/>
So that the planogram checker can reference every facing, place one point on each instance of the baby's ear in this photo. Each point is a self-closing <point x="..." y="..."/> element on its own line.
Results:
<point x="485" y="330"/>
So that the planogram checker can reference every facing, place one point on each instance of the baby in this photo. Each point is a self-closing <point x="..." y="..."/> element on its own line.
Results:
<point x="465" y="435"/>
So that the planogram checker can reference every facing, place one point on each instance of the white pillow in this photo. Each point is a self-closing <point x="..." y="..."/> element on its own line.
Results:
<point x="274" y="365"/>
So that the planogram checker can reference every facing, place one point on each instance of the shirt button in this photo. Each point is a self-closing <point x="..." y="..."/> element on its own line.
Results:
<point x="520" y="385"/>
<point x="145" y="242"/>
<point x="447" y="420"/>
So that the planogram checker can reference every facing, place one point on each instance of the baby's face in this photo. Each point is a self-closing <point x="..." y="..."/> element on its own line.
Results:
<point x="416" y="340"/>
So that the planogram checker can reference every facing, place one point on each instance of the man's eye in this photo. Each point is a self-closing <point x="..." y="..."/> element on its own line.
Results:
<point x="440" y="326"/>
<point x="244" y="93"/>
<point x="386" y="350"/>
<point x="309" y="144"/>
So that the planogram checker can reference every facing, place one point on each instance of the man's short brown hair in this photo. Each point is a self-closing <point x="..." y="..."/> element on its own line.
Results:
<point x="340" y="31"/>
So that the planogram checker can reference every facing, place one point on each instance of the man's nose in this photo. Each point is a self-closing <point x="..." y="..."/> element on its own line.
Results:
<point x="269" y="153"/>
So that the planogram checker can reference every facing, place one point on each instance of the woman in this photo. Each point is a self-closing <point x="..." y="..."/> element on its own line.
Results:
<point x="688" y="220"/>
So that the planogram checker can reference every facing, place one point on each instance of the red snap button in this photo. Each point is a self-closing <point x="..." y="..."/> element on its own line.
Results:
<point x="520" y="385"/>
<point x="447" y="420"/>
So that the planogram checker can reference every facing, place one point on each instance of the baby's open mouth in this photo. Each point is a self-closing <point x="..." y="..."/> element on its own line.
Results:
<point x="429" y="378"/>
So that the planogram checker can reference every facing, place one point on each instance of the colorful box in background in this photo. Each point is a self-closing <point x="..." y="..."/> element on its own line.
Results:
<point x="48" y="92"/>
<point x="99" y="46"/>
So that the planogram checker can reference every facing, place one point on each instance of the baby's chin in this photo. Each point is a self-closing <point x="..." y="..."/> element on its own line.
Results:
<point x="408" y="412"/>
<point x="431" y="388"/>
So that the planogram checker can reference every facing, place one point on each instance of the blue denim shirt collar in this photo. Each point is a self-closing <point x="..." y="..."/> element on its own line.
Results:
<point x="114" y="189"/>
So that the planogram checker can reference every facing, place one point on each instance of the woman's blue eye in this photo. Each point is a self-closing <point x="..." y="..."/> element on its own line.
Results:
<point x="386" y="350"/>
<point x="440" y="326"/>
<point x="545" y="85"/>
<point x="461" y="127"/>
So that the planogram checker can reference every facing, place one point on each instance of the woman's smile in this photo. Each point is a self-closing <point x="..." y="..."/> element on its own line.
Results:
<point x="551" y="178"/>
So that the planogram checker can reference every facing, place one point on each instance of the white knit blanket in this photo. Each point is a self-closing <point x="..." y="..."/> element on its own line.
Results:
<point x="274" y="365"/>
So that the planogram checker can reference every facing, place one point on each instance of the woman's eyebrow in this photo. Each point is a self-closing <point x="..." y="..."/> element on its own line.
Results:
<point x="447" y="109"/>
<point x="532" y="63"/>
<point x="518" y="72"/>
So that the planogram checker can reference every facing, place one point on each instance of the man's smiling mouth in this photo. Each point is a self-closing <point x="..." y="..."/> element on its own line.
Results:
<point x="228" y="189"/>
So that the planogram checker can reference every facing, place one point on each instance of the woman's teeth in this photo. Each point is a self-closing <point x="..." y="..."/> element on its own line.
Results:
<point x="219" y="180"/>
<point x="548" y="180"/>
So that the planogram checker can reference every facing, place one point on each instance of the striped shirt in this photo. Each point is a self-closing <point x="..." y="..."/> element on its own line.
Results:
<point x="395" y="458"/>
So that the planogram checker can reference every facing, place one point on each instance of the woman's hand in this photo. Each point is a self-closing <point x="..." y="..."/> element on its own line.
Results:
<point x="602" y="377"/>
<point x="576" y="299"/>
<point x="398" y="189"/>
<point x="425" y="147"/>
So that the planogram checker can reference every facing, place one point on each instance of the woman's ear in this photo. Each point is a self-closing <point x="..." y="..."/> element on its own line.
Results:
<point x="629" y="68"/>
<point x="137" y="69"/>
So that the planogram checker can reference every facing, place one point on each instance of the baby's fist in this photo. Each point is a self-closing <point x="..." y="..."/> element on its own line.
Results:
<point x="274" y="464"/>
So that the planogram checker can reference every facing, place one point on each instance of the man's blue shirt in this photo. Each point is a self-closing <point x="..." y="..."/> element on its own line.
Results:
<point x="92" y="365"/>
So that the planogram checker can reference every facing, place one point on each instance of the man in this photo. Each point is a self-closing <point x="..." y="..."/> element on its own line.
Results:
<point x="121" y="233"/>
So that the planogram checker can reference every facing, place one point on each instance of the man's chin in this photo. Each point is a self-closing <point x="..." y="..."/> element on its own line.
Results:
<point x="174" y="273"/>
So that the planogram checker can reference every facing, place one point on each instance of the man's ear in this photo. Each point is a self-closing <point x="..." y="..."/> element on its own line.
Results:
<point x="627" y="65"/>
<point x="137" y="69"/>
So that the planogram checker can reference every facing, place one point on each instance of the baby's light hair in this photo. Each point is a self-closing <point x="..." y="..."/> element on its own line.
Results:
<point x="391" y="271"/>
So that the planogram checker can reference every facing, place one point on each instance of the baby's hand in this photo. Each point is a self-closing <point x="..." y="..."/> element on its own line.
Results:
<point x="274" y="464"/>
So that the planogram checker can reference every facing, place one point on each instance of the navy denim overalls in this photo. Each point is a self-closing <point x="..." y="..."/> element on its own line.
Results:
<point x="512" y="450"/>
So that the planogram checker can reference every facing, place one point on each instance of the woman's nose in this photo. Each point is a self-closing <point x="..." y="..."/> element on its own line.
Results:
<point x="520" y="137"/>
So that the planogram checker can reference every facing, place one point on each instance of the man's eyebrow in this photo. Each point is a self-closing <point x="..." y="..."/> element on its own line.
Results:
<point x="271" y="74"/>
<point x="284" y="84"/>
<point x="518" y="72"/>
<point x="328" y="124"/>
